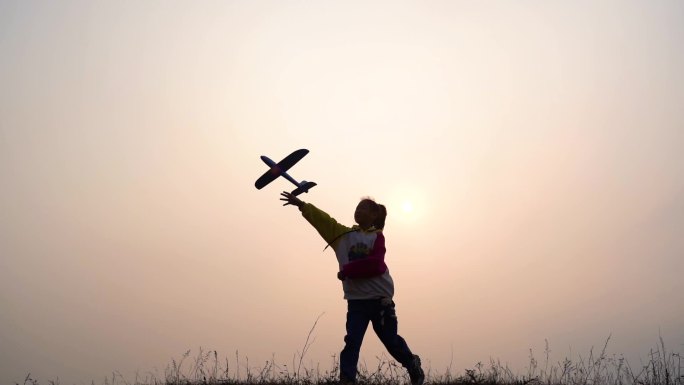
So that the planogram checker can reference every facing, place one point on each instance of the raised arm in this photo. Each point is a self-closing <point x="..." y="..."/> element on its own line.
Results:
<point x="326" y="225"/>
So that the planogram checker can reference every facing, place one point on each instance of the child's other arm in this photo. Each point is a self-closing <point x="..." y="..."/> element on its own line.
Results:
<point x="371" y="266"/>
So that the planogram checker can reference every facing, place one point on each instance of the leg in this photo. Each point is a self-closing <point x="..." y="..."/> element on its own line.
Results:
<point x="386" y="326"/>
<point x="357" y="323"/>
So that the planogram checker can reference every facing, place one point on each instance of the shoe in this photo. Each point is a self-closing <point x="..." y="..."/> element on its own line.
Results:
<point x="345" y="381"/>
<point x="416" y="372"/>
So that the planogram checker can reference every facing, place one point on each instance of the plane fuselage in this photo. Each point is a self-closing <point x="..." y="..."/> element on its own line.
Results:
<point x="276" y="171"/>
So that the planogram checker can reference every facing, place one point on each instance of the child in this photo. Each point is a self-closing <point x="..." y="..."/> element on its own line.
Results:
<point x="368" y="286"/>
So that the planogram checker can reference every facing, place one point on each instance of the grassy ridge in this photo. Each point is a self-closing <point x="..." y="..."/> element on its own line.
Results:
<point x="663" y="368"/>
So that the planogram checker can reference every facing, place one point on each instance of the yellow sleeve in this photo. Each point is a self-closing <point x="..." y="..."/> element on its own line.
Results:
<point x="326" y="225"/>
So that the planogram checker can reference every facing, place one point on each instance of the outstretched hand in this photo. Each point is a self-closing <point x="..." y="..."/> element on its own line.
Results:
<point x="290" y="199"/>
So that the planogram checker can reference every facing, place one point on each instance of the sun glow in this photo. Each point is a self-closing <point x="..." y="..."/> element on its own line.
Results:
<point x="406" y="204"/>
<point x="407" y="207"/>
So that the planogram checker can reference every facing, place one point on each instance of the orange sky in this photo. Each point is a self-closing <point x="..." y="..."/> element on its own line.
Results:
<point x="529" y="155"/>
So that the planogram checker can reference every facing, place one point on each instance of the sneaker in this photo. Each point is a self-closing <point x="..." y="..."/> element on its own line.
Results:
<point x="345" y="381"/>
<point x="416" y="372"/>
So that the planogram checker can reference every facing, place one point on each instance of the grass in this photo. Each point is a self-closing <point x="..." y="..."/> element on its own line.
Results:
<point x="205" y="368"/>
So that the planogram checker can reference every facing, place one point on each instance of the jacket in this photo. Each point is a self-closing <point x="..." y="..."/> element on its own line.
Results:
<point x="360" y="255"/>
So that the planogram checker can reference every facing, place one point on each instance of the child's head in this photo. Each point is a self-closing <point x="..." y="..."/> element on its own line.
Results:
<point x="369" y="213"/>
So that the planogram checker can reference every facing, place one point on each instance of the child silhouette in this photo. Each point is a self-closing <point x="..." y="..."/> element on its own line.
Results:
<point x="366" y="281"/>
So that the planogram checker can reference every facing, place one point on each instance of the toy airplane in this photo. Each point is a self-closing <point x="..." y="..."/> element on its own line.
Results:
<point x="280" y="169"/>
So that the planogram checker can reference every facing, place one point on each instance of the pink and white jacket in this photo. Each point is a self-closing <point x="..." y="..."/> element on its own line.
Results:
<point x="360" y="254"/>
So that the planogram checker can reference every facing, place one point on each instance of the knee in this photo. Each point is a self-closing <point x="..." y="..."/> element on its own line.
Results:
<point x="352" y="342"/>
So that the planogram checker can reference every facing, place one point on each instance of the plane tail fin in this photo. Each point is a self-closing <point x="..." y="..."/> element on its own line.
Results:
<point x="304" y="187"/>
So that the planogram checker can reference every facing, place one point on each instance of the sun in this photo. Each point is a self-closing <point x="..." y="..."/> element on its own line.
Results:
<point x="407" y="204"/>
<point x="407" y="207"/>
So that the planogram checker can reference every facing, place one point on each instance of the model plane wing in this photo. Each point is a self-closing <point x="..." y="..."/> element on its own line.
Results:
<point x="268" y="177"/>
<point x="280" y="168"/>
<point x="292" y="159"/>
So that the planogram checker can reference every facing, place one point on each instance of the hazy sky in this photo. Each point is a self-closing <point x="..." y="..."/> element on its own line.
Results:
<point x="529" y="154"/>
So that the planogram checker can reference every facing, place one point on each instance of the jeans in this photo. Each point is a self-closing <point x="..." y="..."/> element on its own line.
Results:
<point x="384" y="318"/>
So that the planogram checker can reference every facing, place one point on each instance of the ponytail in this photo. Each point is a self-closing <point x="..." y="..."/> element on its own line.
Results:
<point x="382" y="215"/>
